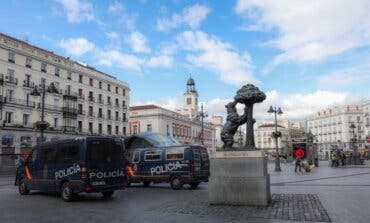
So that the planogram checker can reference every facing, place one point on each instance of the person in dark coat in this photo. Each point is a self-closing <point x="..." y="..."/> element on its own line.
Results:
<point x="298" y="164"/>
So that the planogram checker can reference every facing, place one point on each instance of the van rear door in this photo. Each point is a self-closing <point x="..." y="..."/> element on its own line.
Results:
<point x="105" y="162"/>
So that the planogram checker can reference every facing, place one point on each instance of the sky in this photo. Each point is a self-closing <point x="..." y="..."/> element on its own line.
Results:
<point x="306" y="55"/>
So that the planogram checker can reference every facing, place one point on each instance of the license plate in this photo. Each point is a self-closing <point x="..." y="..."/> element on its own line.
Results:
<point x="98" y="183"/>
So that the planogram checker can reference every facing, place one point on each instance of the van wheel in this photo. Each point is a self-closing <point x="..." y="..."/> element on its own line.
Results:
<point x="176" y="183"/>
<point x="66" y="192"/>
<point x="107" y="194"/>
<point x="22" y="188"/>
<point x="194" y="185"/>
<point x="146" y="183"/>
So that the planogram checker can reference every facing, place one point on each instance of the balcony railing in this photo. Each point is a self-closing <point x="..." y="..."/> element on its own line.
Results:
<point x="69" y="110"/>
<point x="100" y="101"/>
<point x="18" y="125"/>
<point x="110" y="117"/>
<point x="28" y="84"/>
<point x="11" y="80"/>
<point x="117" y="118"/>
<point x="101" y="116"/>
<point x="69" y="128"/>
<point x="91" y="114"/>
<point x="124" y="106"/>
<point x="124" y="119"/>
<point x="20" y="102"/>
<point x="50" y="107"/>
<point x="92" y="99"/>
<point x="80" y="112"/>
<point x="109" y="103"/>
<point x="81" y="96"/>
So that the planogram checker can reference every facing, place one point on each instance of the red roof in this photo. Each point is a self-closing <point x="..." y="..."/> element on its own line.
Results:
<point x="270" y="125"/>
<point x="143" y="107"/>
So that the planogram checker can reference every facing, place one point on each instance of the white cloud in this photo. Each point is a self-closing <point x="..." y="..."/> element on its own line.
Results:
<point x="209" y="52"/>
<point x="138" y="42"/>
<point x="116" y="58"/>
<point x="191" y="16"/>
<point x="294" y="106"/>
<point x="340" y="79"/>
<point x="115" y="7"/>
<point x="167" y="102"/>
<point x="165" y="61"/>
<point x="78" y="10"/>
<point x="77" y="46"/>
<point x="112" y="35"/>
<point x="309" y="31"/>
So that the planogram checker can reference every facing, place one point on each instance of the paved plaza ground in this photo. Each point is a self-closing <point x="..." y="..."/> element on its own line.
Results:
<point x="329" y="195"/>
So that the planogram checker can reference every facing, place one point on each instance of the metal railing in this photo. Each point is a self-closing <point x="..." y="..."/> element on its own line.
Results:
<point x="28" y="84"/>
<point x="21" y="102"/>
<point x="69" y="128"/>
<point x="18" y="125"/>
<point x="50" y="107"/>
<point x="69" y="110"/>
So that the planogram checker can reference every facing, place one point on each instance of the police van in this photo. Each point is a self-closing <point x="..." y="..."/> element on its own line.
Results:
<point x="71" y="166"/>
<point x="156" y="158"/>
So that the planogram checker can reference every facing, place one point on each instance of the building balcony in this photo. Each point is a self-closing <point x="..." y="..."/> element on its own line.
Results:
<point x="109" y="118"/>
<point x="70" y="94"/>
<point x="80" y="96"/>
<point x="20" y="125"/>
<point x="116" y="119"/>
<point x="28" y="84"/>
<point x="80" y="112"/>
<point x="124" y="119"/>
<point x="49" y="107"/>
<point x="19" y="102"/>
<point x="91" y="114"/>
<point x="124" y="106"/>
<point x="69" y="128"/>
<point x="11" y="80"/>
<point x="91" y="99"/>
<point x="101" y="101"/>
<point x="69" y="110"/>
<point x="109" y="103"/>
<point x="102" y="116"/>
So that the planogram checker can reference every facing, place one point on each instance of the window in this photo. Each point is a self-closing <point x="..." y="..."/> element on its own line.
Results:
<point x="55" y="124"/>
<point x="136" y="157"/>
<point x="8" y="117"/>
<point x="168" y="130"/>
<point x="47" y="155"/>
<point x="174" y="154"/>
<point x="117" y="130"/>
<point x="100" y="85"/>
<point x="80" y="78"/>
<point x="109" y="129"/>
<point x="108" y="87"/>
<point x="100" y="98"/>
<point x="11" y="57"/>
<point x="91" y="111"/>
<point x="149" y="127"/>
<point x="100" y="113"/>
<point x="69" y="76"/>
<point x="117" y="116"/>
<point x="109" y="114"/>
<point x="26" y="119"/>
<point x="124" y="117"/>
<point x="68" y="153"/>
<point x="91" y="82"/>
<point x="358" y="118"/>
<point x="100" y="128"/>
<point x="123" y="92"/>
<point x="105" y="151"/>
<point x="80" y="92"/>
<point x="134" y="129"/>
<point x="11" y="75"/>
<point x="57" y="71"/>
<point x="91" y="98"/>
<point x="152" y="155"/>
<point x="116" y="90"/>
<point x="79" y="126"/>
<point x="43" y="67"/>
<point x="90" y="127"/>
<point x="117" y="103"/>
<point x="33" y="155"/>
<point x="188" y="101"/>
<point x="80" y="109"/>
<point x="124" y="131"/>
<point x="28" y="62"/>
<point x="123" y="103"/>
<point x="108" y="100"/>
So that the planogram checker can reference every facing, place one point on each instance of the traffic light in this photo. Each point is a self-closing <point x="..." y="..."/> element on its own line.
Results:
<point x="299" y="150"/>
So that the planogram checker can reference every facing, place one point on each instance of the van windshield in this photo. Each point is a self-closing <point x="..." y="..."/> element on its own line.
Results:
<point x="105" y="151"/>
<point x="159" y="140"/>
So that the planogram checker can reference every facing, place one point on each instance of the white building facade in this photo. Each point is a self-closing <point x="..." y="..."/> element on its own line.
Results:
<point x="366" y="110"/>
<point x="87" y="101"/>
<point x="332" y="128"/>
<point x="264" y="140"/>
<point x="152" y="118"/>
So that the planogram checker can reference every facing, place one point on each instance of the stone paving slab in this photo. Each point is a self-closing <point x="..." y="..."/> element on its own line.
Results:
<point x="294" y="207"/>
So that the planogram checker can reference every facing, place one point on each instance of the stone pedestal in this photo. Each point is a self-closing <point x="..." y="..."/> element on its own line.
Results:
<point x="239" y="178"/>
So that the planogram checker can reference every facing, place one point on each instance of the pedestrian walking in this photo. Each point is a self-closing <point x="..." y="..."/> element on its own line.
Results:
<point x="298" y="164"/>
<point x="343" y="158"/>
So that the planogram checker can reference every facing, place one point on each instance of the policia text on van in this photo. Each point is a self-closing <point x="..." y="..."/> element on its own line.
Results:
<point x="72" y="166"/>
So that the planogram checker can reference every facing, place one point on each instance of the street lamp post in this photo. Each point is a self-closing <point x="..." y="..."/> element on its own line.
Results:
<point x="276" y="135"/>
<point x="202" y="114"/>
<point x="353" y="141"/>
<point x="42" y="125"/>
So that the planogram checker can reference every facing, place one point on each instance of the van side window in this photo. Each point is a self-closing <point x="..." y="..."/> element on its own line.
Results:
<point x="152" y="155"/>
<point x="196" y="154"/>
<point x="136" y="157"/>
<point x="204" y="154"/>
<point x="47" y="155"/>
<point x="68" y="153"/>
<point x="174" y="154"/>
